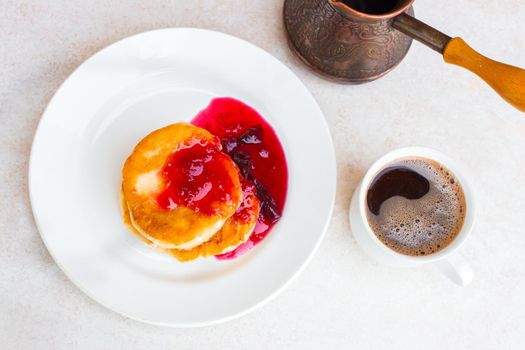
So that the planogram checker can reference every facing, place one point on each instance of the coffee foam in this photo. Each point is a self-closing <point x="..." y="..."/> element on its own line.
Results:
<point x="426" y="225"/>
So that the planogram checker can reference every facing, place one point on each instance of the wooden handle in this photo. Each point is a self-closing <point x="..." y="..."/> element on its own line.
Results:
<point x="506" y="80"/>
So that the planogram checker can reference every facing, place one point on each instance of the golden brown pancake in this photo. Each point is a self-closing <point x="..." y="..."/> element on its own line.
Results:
<point x="235" y="231"/>
<point x="145" y="180"/>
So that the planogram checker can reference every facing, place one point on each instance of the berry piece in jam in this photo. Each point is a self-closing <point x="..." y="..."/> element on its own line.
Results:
<point x="252" y="136"/>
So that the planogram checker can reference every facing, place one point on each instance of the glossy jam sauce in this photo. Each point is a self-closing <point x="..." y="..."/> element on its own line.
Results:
<point x="254" y="146"/>
<point x="245" y="213"/>
<point x="196" y="178"/>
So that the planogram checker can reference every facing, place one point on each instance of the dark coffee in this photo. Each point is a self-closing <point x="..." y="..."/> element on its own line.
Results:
<point x="373" y="7"/>
<point x="416" y="206"/>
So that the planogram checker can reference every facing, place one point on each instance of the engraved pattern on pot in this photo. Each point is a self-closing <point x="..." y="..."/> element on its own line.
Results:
<point x="343" y="47"/>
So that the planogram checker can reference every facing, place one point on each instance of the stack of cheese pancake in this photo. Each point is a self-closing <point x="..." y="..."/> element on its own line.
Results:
<point x="183" y="195"/>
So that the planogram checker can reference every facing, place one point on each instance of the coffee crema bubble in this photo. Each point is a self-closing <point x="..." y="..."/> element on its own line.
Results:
<point x="416" y="206"/>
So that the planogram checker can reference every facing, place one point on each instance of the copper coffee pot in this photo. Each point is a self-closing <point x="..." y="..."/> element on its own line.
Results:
<point x="357" y="41"/>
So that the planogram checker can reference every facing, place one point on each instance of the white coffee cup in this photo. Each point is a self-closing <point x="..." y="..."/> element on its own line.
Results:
<point x="447" y="260"/>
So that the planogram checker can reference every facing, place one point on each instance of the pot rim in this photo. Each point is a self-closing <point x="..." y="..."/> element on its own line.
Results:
<point x="340" y="5"/>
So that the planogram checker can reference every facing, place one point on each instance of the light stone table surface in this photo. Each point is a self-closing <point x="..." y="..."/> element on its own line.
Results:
<point x="343" y="299"/>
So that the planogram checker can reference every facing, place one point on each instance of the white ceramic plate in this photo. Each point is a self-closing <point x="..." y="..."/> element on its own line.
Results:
<point x="93" y="122"/>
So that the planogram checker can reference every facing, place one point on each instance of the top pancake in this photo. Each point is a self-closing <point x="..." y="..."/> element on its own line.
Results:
<point x="235" y="231"/>
<point x="178" y="187"/>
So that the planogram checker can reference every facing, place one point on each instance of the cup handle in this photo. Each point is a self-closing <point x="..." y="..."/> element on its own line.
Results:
<point x="457" y="269"/>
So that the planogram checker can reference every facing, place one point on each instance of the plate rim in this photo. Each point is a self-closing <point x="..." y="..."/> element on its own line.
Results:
<point x="331" y="156"/>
